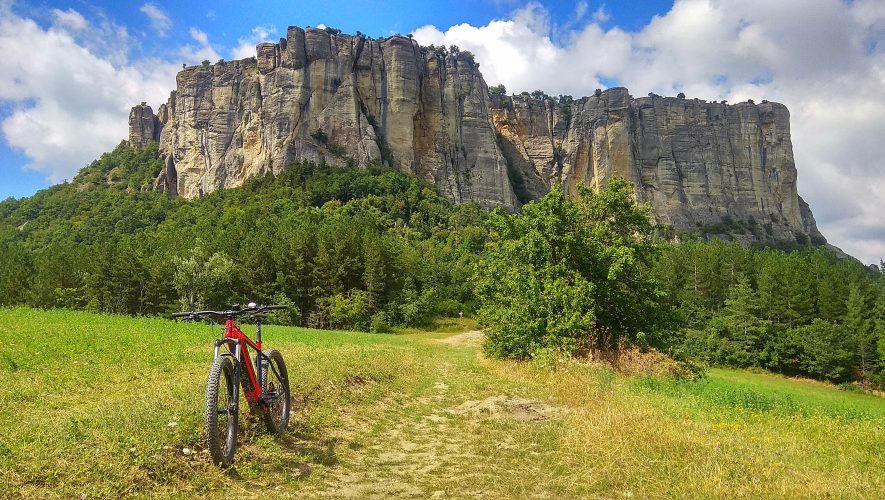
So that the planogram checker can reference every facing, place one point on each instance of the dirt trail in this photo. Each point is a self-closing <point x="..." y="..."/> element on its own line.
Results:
<point x="426" y="442"/>
<point x="473" y="337"/>
<point x="418" y="446"/>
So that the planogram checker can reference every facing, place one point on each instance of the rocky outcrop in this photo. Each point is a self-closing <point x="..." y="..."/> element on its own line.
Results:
<point x="337" y="99"/>
<point x="702" y="166"/>
<point x="341" y="99"/>
<point x="144" y="126"/>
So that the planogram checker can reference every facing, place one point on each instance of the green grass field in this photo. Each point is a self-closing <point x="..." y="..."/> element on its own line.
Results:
<point x="107" y="406"/>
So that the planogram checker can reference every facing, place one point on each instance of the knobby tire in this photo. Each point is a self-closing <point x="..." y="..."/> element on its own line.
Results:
<point x="221" y="433"/>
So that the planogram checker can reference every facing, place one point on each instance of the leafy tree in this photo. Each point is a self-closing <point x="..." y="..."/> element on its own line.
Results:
<point x="351" y="311"/>
<point x="499" y="89"/>
<point x="530" y="283"/>
<point x="621" y="238"/>
<point x="202" y="280"/>
<point x="569" y="275"/>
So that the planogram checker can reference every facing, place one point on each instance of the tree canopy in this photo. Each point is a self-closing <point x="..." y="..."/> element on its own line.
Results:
<point x="371" y="248"/>
<point x="570" y="274"/>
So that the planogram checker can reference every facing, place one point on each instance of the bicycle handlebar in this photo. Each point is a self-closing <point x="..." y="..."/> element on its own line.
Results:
<point x="229" y="313"/>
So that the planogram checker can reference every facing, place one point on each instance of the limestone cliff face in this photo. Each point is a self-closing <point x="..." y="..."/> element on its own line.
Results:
<point x="144" y="126"/>
<point x="335" y="98"/>
<point x="344" y="99"/>
<point x="699" y="164"/>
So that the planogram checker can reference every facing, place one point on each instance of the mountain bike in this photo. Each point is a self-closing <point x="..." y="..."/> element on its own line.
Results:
<point x="265" y="384"/>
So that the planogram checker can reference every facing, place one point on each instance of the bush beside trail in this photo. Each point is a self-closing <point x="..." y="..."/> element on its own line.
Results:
<point x="571" y="275"/>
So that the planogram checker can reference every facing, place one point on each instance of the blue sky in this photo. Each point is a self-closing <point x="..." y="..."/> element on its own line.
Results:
<point x="225" y="22"/>
<point x="70" y="71"/>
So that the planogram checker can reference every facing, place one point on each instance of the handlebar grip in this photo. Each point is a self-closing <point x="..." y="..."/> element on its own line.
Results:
<point x="181" y="314"/>
<point x="275" y="307"/>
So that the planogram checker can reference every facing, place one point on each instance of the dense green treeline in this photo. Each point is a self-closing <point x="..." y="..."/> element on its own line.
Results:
<point x="803" y="312"/>
<point x="350" y="248"/>
<point x="371" y="248"/>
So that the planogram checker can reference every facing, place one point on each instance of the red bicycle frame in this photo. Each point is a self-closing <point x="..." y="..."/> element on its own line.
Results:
<point x="237" y="342"/>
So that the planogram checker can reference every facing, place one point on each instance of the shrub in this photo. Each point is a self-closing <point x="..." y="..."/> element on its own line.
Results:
<point x="417" y="307"/>
<point x="286" y="317"/>
<point x="449" y="307"/>
<point x="498" y="90"/>
<point x="568" y="275"/>
<point x="335" y="149"/>
<point x="320" y="136"/>
<point x="380" y="324"/>
<point x="351" y="311"/>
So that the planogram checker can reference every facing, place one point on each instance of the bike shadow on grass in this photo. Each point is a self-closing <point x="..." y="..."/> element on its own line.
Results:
<point x="303" y="449"/>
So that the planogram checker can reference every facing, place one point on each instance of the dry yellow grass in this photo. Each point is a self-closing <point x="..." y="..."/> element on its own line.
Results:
<point x="93" y="406"/>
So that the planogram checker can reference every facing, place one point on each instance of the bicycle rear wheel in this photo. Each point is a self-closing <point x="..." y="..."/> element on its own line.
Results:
<point x="275" y="392"/>
<point x="222" y="414"/>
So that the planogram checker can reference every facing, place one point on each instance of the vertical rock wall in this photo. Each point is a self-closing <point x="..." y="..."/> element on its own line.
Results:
<point x="351" y="100"/>
<point x="337" y="99"/>
<point x="698" y="164"/>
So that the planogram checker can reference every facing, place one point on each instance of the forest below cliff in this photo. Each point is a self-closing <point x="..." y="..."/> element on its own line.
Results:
<point x="372" y="249"/>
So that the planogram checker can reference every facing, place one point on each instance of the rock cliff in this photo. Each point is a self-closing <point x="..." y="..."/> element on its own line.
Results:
<point x="335" y="98"/>
<point x="703" y="166"/>
<point x="341" y="99"/>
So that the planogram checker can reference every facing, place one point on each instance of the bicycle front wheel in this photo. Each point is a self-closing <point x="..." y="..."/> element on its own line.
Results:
<point x="275" y="392"/>
<point x="221" y="412"/>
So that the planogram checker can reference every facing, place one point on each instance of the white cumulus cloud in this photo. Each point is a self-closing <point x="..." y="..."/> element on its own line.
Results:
<point x="246" y="45"/>
<point x="159" y="20"/>
<point x="69" y="103"/>
<point x="203" y="51"/>
<point x="70" y="19"/>
<point x="825" y="60"/>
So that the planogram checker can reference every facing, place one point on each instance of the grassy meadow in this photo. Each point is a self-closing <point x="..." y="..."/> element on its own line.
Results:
<point x="110" y="406"/>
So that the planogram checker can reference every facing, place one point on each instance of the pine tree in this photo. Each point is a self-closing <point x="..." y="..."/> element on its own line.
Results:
<point x="879" y="324"/>
<point x="745" y="331"/>
<point x="858" y="330"/>
<point x="825" y="351"/>
<point x="375" y="273"/>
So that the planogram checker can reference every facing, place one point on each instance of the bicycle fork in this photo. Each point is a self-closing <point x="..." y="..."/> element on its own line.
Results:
<point x="234" y="403"/>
